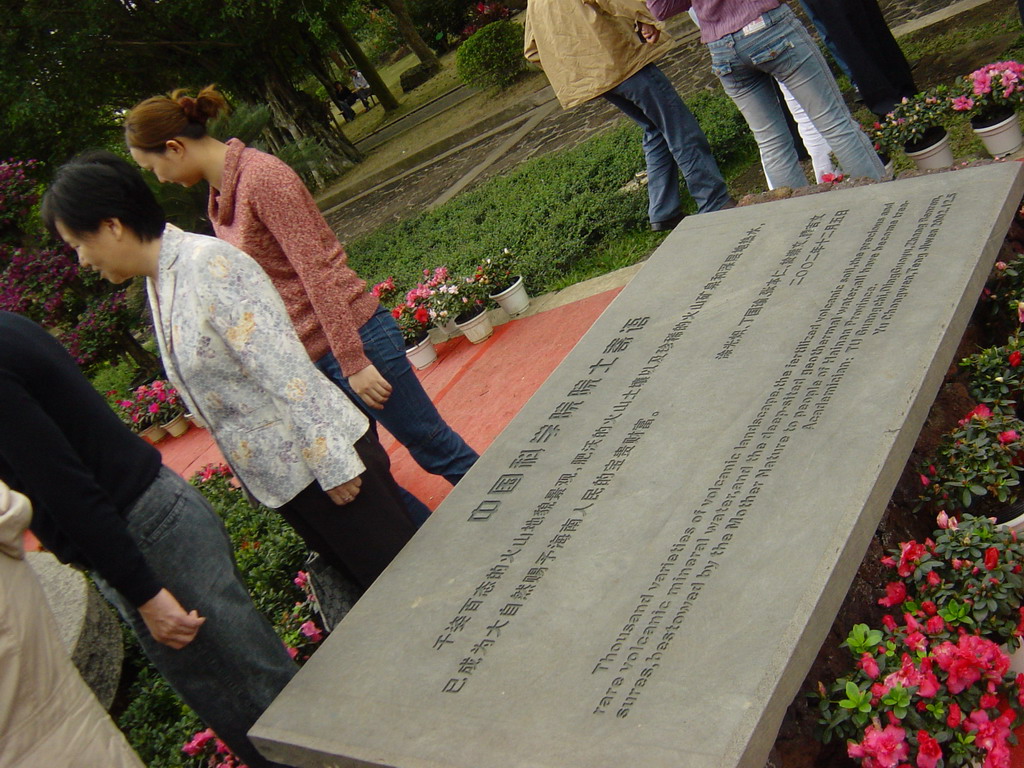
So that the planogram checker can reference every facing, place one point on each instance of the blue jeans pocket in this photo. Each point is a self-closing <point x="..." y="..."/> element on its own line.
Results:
<point x="771" y="52"/>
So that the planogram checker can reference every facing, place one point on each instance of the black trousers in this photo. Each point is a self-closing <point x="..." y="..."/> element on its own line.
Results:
<point x="359" y="538"/>
<point x="859" y="32"/>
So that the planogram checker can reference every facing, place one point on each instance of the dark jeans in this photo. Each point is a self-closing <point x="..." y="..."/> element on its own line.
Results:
<point x="236" y="665"/>
<point x="859" y="33"/>
<point x="360" y="538"/>
<point x="672" y="142"/>
<point x="408" y="414"/>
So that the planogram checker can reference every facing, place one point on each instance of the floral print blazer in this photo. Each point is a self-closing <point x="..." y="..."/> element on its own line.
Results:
<point x="230" y="349"/>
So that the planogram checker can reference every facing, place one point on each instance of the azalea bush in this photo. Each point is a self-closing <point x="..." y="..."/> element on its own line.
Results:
<point x="933" y="687"/>
<point x="996" y="374"/>
<point x="413" y="318"/>
<point x="989" y="92"/>
<point x="271" y="558"/>
<point x="980" y="458"/>
<point x="911" y="119"/>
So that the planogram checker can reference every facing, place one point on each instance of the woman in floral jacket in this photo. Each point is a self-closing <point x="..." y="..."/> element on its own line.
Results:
<point x="294" y="440"/>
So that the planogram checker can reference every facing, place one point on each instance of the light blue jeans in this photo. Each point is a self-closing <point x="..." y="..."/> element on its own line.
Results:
<point x="672" y="142"/>
<point x="408" y="414"/>
<point x="783" y="49"/>
<point x="236" y="665"/>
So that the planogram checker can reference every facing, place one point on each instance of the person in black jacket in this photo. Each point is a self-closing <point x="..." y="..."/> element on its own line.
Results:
<point x="104" y="502"/>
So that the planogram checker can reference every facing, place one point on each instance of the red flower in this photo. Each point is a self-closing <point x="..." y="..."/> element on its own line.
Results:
<point x="884" y="748"/>
<point x="955" y="716"/>
<point x="928" y="750"/>
<point x="933" y="579"/>
<point x="991" y="559"/>
<point x="910" y="554"/>
<point x="935" y="625"/>
<point x="982" y="412"/>
<point x="895" y="593"/>
<point x="1008" y="436"/>
<point x="1015" y="358"/>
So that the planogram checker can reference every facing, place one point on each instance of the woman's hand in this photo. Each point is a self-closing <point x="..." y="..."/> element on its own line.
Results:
<point x="345" y="492"/>
<point x="649" y="32"/>
<point x="168" y="622"/>
<point x="371" y="387"/>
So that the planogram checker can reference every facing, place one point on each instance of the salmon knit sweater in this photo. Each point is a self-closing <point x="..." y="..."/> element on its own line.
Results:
<point x="264" y="209"/>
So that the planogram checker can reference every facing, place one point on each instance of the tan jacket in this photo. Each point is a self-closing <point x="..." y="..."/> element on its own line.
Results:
<point x="587" y="47"/>
<point x="48" y="716"/>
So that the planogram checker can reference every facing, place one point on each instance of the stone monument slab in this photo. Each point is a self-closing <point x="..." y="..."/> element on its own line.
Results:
<point x="642" y="567"/>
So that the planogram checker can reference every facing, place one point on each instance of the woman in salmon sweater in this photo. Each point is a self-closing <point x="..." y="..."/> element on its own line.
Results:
<point x="260" y="205"/>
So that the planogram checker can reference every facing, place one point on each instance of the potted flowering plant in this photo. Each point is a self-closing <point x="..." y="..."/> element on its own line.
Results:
<point x="915" y="125"/>
<point x="990" y="97"/>
<point x="385" y="290"/>
<point x="990" y="94"/>
<point x="507" y="288"/>
<point x="150" y="408"/>
<point x="934" y="688"/>
<point x="412" y="318"/>
<point x="981" y="458"/>
<point x="470" y="307"/>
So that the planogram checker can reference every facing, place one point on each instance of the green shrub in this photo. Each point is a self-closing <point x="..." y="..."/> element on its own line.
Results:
<point x="551" y="212"/>
<point x="493" y="56"/>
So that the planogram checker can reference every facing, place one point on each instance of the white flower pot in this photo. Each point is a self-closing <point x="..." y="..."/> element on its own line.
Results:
<point x="938" y="155"/>
<point x="449" y="329"/>
<point x="422" y="354"/>
<point x="478" y="328"/>
<point x="1003" y="137"/>
<point x="514" y="299"/>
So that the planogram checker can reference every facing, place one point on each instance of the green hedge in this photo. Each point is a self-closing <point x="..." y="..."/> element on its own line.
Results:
<point x="551" y="211"/>
<point x="492" y="57"/>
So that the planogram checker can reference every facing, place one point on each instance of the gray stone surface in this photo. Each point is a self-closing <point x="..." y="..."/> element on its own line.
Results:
<point x="88" y="627"/>
<point x="642" y="567"/>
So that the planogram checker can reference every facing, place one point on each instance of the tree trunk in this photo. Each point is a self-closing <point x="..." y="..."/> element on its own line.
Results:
<point x="363" y="64"/>
<point x="408" y="31"/>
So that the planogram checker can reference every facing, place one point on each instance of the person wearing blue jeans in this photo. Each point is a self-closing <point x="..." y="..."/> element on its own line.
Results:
<point x="591" y="48"/>
<point x="409" y="415"/>
<point x="752" y="42"/>
<point x="672" y="142"/>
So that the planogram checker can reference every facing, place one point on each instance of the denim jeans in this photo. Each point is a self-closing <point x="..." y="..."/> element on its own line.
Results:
<point x="672" y="142"/>
<point x="408" y="414"/>
<point x="745" y="64"/>
<point x="236" y="665"/>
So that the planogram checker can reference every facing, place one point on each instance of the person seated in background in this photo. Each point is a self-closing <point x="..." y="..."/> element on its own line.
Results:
<point x="157" y="550"/>
<point x="591" y="49"/>
<point x="344" y="98"/>
<point x="294" y="440"/>
<point x="48" y="715"/>
<point x="362" y="87"/>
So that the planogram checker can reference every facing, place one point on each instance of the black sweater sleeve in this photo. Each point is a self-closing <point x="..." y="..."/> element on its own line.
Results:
<point x="61" y="445"/>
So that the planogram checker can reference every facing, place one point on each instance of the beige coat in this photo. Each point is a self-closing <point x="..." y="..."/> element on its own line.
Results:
<point x="587" y="47"/>
<point x="48" y="716"/>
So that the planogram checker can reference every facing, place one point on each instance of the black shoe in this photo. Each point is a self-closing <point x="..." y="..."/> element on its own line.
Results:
<point x="668" y="224"/>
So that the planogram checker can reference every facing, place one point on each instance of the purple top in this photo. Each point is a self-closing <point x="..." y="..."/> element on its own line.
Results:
<point x="719" y="18"/>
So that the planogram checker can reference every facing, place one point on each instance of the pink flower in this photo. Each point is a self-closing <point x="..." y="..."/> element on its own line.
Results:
<point x="943" y="520"/>
<point x="1008" y="436"/>
<point x="312" y="631"/>
<point x="955" y="716"/>
<point x="925" y="481"/>
<point x="869" y="665"/>
<point x="198" y="741"/>
<point x="934" y="625"/>
<point x="910" y="554"/>
<point x="886" y="748"/>
<point x="1020" y="312"/>
<point x="982" y="412"/>
<point x="301" y="579"/>
<point x="292" y="652"/>
<point x="963" y="103"/>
